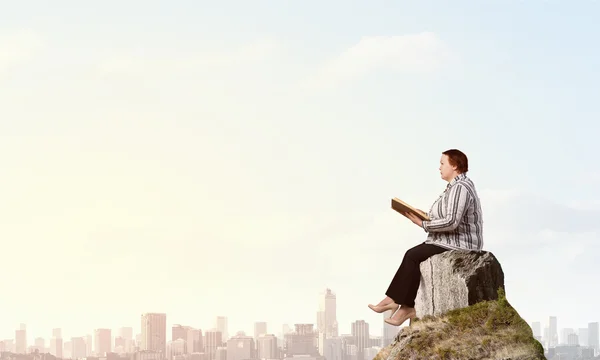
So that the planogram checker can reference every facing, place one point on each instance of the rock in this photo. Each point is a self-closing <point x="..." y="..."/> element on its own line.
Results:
<point x="463" y="314"/>
<point x="456" y="279"/>
<point x="487" y="330"/>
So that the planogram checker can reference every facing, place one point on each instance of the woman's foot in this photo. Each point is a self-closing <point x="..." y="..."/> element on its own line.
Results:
<point x="403" y="314"/>
<point x="381" y="308"/>
<point x="385" y="302"/>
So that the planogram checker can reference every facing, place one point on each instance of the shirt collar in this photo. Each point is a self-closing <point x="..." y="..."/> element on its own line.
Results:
<point x="458" y="177"/>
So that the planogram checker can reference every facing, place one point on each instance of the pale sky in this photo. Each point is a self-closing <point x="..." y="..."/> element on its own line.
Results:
<point x="205" y="159"/>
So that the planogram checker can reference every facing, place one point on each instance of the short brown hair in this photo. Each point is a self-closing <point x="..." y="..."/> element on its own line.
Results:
<point x="459" y="159"/>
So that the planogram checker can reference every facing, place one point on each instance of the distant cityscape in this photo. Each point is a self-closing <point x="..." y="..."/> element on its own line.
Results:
<point x="304" y="341"/>
<point x="582" y="343"/>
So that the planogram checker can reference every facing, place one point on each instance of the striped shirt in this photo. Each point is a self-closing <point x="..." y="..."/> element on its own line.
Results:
<point x="456" y="218"/>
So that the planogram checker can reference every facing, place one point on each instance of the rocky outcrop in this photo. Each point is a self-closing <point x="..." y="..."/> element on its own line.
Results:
<point x="487" y="330"/>
<point x="457" y="279"/>
<point x="463" y="314"/>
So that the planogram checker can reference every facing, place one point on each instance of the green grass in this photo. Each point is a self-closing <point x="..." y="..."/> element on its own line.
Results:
<point x="489" y="329"/>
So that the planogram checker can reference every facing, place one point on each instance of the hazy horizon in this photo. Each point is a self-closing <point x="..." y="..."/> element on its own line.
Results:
<point x="204" y="159"/>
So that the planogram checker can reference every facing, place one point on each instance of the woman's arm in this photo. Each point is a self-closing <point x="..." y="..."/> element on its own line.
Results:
<point x="458" y="199"/>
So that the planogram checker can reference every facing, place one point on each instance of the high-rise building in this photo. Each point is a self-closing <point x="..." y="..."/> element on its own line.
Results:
<point x="221" y="353"/>
<point x="552" y="332"/>
<point x="103" y="342"/>
<point x="154" y="332"/>
<point x="78" y="348"/>
<point x="89" y="345"/>
<point x="389" y="331"/>
<point x="333" y="349"/>
<point x="179" y="332"/>
<point x="303" y="341"/>
<point x="582" y="333"/>
<point x="572" y="339"/>
<point x="127" y="334"/>
<point x="7" y="345"/>
<point x="197" y="345"/>
<point x="565" y="333"/>
<point x="214" y="340"/>
<point x="536" y="327"/>
<point x="593" y="339"/>
<point x="67" y="350"/>
<point x="176" y="349"/>
<point x="360" y="333"/>
<point x="21" y="340"/>
<point x="326" y="316"/>
<point x="266" y="347"/>
<point x="56" y="345"/>
<point x="190" y="336"/>
<point x="119" y="345"/>
<point x="260" y="328"/>
<point x="240" y="347"/>
<point x="221" y="326"/>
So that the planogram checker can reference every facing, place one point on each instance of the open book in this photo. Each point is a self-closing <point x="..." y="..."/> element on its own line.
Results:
<point x="402" y="207"/>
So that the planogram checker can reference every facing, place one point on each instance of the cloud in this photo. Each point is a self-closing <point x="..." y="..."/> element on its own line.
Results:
<point x="423" y="52"/>
<point x="17" y="47"/>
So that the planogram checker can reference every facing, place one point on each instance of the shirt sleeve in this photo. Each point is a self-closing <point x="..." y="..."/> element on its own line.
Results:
<point x="458" y="199"/>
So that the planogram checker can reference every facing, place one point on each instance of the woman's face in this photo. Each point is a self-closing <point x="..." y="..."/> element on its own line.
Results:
<point x="447" y="171"/>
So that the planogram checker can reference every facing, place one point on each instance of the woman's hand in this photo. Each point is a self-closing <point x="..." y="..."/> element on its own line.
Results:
<point x="414" y="218"/>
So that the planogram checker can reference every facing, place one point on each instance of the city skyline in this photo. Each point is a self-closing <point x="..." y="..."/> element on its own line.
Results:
<point x="221" y="323"/>
<point x="109" y="343"/>
<point x="201" y="159"/>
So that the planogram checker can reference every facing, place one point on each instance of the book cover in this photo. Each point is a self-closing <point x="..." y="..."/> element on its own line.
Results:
<point x="402" y="207"/>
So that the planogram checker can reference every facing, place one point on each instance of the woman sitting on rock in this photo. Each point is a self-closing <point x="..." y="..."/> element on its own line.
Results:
<point x="456" y="224"/>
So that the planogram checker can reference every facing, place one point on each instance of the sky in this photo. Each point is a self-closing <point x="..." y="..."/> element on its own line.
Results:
<point x="237" y="159"/>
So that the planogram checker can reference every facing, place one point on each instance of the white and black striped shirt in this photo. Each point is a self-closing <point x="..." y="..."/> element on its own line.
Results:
<point x="456" y="218"/>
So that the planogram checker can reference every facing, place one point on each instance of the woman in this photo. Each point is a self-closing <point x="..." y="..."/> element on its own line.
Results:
<point x="456" y="224"/>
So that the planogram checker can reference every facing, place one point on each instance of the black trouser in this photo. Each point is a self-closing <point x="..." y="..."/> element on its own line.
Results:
<point x="405" y="284"/>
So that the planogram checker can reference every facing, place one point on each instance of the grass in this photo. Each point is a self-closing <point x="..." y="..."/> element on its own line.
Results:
<point x="489" y="329"/>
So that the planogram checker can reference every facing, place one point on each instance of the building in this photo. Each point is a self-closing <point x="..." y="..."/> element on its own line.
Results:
<point x="154" y="333"/>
